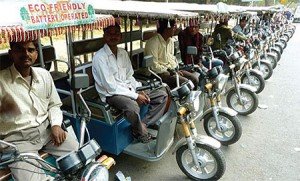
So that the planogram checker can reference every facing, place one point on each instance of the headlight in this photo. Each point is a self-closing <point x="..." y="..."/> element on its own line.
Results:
<point x="251" y="54"/>
<point x="235" y="55"/>
<point x="95" y="172"/>
<point x="193" y="101"/>
<point x="221" y="81"/>
<point x="240" y="63"/>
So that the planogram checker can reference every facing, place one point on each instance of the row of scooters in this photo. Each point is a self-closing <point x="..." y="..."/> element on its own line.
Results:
<point x="248" y="64"/>
<point x="199" y="157"/>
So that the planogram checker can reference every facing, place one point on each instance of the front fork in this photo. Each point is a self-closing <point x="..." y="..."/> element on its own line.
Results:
<point x="237" y="86"/>
<point x="247" y="72"/>
<point x="187" y="133"/>
<point x="214" y="104"/>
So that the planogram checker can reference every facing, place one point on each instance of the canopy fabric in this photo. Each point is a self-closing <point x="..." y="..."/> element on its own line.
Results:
<point x="140" y="9"/>
<point x="12" y="26"/>
<point x="192" y="7"/>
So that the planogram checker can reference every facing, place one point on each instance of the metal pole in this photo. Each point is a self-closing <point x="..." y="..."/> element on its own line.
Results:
<point x="40" y="51"/>
<point x="130" y="37"/>
<point x="125" y="27"/>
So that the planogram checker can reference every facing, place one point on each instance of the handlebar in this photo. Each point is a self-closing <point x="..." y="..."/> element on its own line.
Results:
<point x="151" y="85"/>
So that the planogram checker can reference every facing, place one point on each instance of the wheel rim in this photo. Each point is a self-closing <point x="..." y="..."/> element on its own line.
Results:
<point x="242" y="106"/>
<point x="253" y="81"/>
<point x="227" y="131"/>
<point x="264" y="69"/>
<point x="208" y="164"/>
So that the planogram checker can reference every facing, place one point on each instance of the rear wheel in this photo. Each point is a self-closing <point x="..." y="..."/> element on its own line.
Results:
<point x="231" y="128"/>
<point x="212" y="162"/>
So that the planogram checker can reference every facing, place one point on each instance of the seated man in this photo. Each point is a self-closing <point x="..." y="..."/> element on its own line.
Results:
<point x="191" y="36"/>
<point x="30" y="114"/>
<point x="116" y="85"/>
<point x="225" y="33"/>
<point x="240" y="28"/>
<point x="161" y="47"/>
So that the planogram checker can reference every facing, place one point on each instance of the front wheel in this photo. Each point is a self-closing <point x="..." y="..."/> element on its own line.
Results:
<point x="246" y="104"/>
<point x="255" y="80"/>
<point x="212" y="162"/>
<point x="265" y="68"/>
<point x="230" y="128"/>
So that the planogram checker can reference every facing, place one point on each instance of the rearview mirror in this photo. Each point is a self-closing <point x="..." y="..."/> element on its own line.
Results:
<point x="79" y="81"/>
<point x="147" y="61"/>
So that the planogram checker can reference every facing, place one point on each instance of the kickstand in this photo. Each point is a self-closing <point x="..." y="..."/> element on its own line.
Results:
<point x="121" y="177"/>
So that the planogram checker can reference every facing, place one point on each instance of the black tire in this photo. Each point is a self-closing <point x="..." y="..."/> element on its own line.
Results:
<point x="251" y="108"/>
<point x="266" y="69"/>
<point x="279" y="48"/>
<point x="273" y="60"/>
<point x="257" y="77"/>
<point x="216" y="154"/>
<point x="290" y="34"/>
<point x="277" y="53"/>
<point x="286" y="37"/>
<point x="284" y="43"/>
<point x="235" y="122"/>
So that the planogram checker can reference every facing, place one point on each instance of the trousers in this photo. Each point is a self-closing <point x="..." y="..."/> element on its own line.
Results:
<point x="131" y="109"/>
<point x="33" y="140"/>
<point x="171" y="79"/>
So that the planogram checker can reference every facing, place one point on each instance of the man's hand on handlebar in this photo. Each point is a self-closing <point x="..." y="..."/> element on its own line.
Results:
<point x="58" y="135"/>
<point x="143" y="98"/>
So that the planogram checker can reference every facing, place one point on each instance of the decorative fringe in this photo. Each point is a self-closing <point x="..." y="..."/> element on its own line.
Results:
<point x="19" y="34"/>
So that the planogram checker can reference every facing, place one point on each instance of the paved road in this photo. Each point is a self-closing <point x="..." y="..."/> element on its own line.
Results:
<point x="269" y="148"/>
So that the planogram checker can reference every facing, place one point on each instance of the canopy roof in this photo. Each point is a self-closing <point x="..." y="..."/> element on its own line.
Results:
<point x="140" y="9"/>
<point x="26" y="20"/>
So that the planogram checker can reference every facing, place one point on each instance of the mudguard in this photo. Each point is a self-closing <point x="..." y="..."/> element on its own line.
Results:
<point x="257" y="72"/>
<point x="225" y="110"/>
<point x="244" y="86"/>
<point x="271" y="54"/>
<point x="201" y="139"/>
<point x="275" y="49"/>
<point x="265" y="61"/>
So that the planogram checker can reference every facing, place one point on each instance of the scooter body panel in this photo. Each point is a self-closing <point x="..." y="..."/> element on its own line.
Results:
<point x="201" y="139"/>
<point x="225" y="110"/>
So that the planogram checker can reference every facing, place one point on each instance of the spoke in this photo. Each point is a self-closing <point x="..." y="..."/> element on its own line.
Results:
<point x="191" y="164"/>
<point x="210" y="162"/>
<point x="214" y="129"/>
<point x="201" y="152"/>
<point x="231" y="128"/>
<point x="204" y="170"/>
<point x="228" y="134"/>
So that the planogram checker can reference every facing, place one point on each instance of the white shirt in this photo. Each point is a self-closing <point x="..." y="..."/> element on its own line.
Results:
<point x="37" y="102"/>
<point x="114" y="75"/>
<point x="162" y="52"/>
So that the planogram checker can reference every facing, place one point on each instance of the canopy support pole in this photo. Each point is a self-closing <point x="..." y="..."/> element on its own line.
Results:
<point x="125" y="27"/>
<point x="130" y="37"/>
<point x="40" y="51"/>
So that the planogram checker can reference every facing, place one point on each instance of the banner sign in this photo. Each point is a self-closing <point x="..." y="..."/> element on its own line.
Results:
<point x="54" y="14"/>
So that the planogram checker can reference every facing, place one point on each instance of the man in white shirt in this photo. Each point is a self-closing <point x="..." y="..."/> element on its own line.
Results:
<point x="240" y="28"/>
<point x="30" y="114"/>
<point x="114" y="81"/>
<point x="161" y="47"/>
